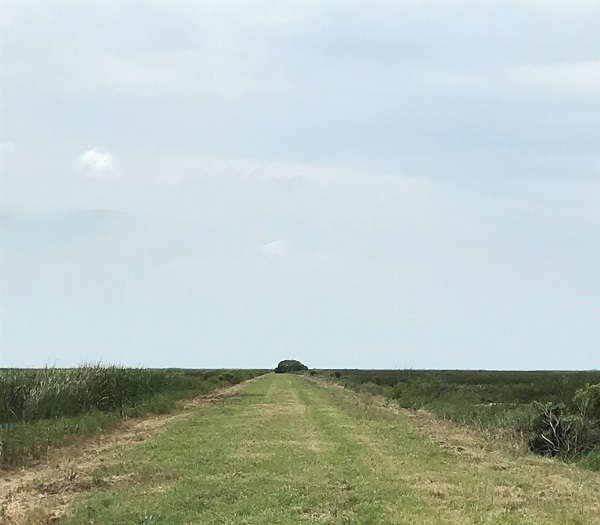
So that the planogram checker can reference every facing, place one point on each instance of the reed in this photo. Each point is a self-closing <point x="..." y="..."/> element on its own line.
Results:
<point x="33" y="394"/>
<point x="47" y="408"/>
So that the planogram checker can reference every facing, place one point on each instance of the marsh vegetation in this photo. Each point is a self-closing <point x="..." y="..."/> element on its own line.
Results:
<point x="554" y="413"/>
<point x="47" y="407"/>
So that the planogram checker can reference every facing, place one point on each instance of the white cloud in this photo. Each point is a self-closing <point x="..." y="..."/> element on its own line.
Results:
<point x="285" y="249"/>
<point x="98" y="163"/>
<point x="280" y="248"/>
<point x="6" y="147"/>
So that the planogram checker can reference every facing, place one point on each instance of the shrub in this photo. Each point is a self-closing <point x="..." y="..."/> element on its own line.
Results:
<point x="587" y="400"/>
<point x="556" y="431"/>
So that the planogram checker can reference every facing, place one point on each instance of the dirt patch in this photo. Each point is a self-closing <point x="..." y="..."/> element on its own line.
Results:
<point x="41" y="494"/>
<point x="309" y="514"/>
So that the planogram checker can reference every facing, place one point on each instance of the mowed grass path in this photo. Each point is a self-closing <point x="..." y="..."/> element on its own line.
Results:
<point x="285" y="450"/>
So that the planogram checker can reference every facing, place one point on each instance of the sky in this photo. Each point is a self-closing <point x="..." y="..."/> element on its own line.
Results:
<point x="404" y="184"/>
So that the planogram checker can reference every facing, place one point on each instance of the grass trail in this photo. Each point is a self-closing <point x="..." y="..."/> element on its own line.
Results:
<point x="285" y="450"/>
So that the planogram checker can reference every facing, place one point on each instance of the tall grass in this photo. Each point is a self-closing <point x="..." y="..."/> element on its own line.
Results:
<point x="48" y="407"/>
<point x="30" y="395"/>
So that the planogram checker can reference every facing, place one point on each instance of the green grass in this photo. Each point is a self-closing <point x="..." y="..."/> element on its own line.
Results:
<point x="286" y="450"/>
<point x="590" y="461"/>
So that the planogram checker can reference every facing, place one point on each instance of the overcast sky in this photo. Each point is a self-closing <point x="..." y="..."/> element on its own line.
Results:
<point x="351" y="184"/>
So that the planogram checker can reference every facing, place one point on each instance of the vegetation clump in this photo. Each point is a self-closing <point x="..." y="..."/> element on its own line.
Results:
<point x="568" y="433"/>
<point x="290" y="365"/>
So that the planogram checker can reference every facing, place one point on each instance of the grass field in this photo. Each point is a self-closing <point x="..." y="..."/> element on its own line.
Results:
<point x="288" y="449"/>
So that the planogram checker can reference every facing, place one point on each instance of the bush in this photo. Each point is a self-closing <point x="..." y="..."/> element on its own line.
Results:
<point x="557" y="432"/>
<point x="290" y="365"/>
<point x="565" y="433"/>
<point x="587" y="400"/>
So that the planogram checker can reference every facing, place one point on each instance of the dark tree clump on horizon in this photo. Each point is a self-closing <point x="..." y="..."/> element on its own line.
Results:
<point x="290" y="365"/>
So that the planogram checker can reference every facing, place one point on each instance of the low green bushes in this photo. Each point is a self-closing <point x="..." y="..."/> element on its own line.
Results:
<point x="498" y="387"/>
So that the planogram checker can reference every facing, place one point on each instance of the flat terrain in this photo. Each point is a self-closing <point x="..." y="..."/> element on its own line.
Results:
<point x="287" y="450"/>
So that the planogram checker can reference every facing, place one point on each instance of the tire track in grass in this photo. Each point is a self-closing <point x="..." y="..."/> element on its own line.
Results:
<point x="382" y="475"/>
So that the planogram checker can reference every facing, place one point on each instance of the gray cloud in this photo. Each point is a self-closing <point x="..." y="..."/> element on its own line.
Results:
<point x="392" y="184"/>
